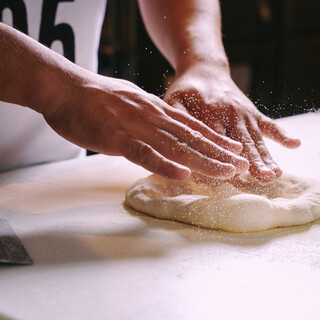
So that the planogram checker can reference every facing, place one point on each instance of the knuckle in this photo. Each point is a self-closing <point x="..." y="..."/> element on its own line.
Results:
<point x="178" y="150"/>
<point x="191" y="140"/>
<point x="194" y="137"/>
<point x="152" y="107"/>
<point x="261" y="147"/>
<point x="144" y="155"/>
<point x="247" y="142"/>
<point x="143" y="151"/>
<point x="197" y="135"/>
<point x="140" y="151"/>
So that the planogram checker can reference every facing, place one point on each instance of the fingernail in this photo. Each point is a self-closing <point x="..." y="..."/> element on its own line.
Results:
<point x="268" y="175"/>
<point x="277" y="171"/>
<point x="266" y="169"/>
<point x="263" y="173"/>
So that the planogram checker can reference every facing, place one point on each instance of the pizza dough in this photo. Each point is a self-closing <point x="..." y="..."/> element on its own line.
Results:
<point x="241" y="204"/>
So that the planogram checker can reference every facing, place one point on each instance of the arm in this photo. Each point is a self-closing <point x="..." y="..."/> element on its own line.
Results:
<point x="188" y="33"/>
<point x="110" y="116"/>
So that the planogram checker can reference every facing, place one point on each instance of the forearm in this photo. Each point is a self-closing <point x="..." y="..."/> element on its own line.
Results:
<point x="30" y="74"/>
<point x="186" y="31"/>
<point x="109" y="115"/>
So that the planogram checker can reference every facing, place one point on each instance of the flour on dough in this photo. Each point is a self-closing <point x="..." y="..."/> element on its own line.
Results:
<point x="241" y="204"/>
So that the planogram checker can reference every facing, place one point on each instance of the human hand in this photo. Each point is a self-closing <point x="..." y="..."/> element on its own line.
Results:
<point x="211" y="96"/>
<point x="116" y="117"/>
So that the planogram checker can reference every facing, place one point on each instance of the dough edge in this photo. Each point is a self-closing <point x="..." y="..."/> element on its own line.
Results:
<point x="240" y="212"/>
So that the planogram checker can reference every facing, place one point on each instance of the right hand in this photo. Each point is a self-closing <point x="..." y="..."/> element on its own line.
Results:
<point x="208" y="93"/>
<point x="116" y="117"/>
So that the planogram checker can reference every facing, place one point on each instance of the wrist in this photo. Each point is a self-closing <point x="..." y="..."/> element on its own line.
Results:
<point x="203" y="66"/>
<point x="202" y="63"/>
<point x="53" y="86"/>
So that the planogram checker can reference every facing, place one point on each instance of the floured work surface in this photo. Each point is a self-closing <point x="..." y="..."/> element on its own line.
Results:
<point x="241" y="204"/>
<point x="96" y="259"/>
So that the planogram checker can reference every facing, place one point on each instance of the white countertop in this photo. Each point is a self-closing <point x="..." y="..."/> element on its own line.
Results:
<point x="95" y="259"/>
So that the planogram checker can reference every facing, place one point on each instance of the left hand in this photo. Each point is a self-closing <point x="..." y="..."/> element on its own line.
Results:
<point x="210" y="95"/>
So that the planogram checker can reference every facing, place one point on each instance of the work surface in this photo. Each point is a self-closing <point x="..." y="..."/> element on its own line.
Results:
<point x="96" y="259"/>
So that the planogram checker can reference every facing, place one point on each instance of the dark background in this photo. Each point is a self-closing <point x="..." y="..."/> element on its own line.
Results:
<point x="273" y="48"/>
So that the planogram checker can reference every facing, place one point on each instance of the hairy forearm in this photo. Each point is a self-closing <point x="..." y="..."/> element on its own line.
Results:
<point x="185" y="31"/>
<point x="30" y="74"/>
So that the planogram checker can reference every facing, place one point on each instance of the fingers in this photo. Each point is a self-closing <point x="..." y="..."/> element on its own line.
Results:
<point x="144" y="155"/>
<point x="271" y="130"/>
<point x="262" y="166"/>
<point x="180" y="143"/>
<point x="199" y="126"/>
<point x="239" y="117"/>
<point x="258" y="167"/>
<point x="196" y="152"/>
<point x="256" y="136"/>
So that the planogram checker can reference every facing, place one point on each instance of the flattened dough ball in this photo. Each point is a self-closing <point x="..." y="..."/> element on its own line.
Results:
<point x="241" y="204"/>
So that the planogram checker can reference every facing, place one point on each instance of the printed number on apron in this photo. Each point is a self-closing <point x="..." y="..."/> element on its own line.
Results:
<point x="49" y="32"/>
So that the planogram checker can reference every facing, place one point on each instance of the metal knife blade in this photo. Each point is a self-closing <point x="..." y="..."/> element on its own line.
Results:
<point x="11" y="249"/>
